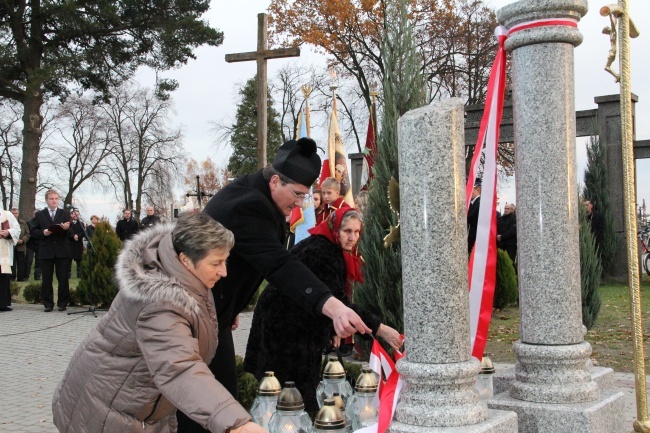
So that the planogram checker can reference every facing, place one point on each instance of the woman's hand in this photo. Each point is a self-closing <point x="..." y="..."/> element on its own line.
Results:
<point x="391" y="336"/>
<point x="249" y="427"/>
<point x="235" y="323"/>
<point x="335" y="341"/>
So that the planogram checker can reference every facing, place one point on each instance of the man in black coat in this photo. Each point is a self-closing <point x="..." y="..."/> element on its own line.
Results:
<point x="150" y="220"/>
<point x="254" y="208"/>
<point x="507" y="232"/>
<point x="76" y="236"/>
<point x="472" y="215"/>
<point x="127" y="226"/>
<point x="51" y="227"/>
<point x="33" y="245"/>
<point x="597" y="222"/>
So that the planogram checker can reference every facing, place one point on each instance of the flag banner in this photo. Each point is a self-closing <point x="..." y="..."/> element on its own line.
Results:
<point x="369" y="153"/>
<point x="390" y="387"/>
<point x="483" y="257"/>
<point x="338" y="160"/>
<point x="302" y="218"/>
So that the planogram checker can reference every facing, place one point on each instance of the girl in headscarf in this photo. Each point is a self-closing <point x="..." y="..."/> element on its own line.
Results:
<point x="286" y="339"/>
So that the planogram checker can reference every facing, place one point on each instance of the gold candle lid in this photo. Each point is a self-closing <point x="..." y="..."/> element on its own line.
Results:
<point x="290" y="398"/>
<point x="333" y="369"/>
<point x="367" y="381"/>
<point x="486" y="366"/>
<point x="338" y="401"/>
<point x="270" y="385"/>
<point x="329" y="417"/>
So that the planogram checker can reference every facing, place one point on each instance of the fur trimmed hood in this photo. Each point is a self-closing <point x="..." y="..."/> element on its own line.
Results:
<point x="150" y="281"/>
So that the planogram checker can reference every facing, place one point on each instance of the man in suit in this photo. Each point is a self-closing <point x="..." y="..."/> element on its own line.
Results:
<point x="76" y="236"/>
<point x="472" y="215"/>
<point x="51" y="227"/>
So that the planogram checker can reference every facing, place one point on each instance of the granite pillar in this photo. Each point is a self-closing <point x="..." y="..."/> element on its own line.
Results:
<point x="438" y="369"/>
<point x="609" y="132"/>
<point x="552" y="373"/>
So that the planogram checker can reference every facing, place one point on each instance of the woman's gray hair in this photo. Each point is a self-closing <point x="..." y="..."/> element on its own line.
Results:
<point x="351" y="214"/>
<point x="197" y="234"/>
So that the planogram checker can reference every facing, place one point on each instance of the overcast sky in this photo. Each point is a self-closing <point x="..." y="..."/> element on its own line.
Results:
<point x="207" y="85"/>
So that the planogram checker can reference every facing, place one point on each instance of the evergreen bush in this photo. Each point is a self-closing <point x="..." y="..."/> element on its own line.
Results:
<point x="403" y="90"/>
<point x="505" y="291"/>
<point x="32" y="293"/>
<point x="590" y="271"/>
<point x="596" y="190"/>
<point x="247" y="385"/>
<point x="104" y="287"/>
<point x="14" y="287"/>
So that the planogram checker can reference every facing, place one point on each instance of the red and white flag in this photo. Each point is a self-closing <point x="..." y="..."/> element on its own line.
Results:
<point x="483" y="258"/>
<point x="390" y="387"/>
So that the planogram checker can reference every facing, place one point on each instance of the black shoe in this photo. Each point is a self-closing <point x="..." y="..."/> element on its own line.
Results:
<point x="62" y="308"/>
<point x="6" y="309"/>
<point x="23" y="279"/>
<point x="37" y="278"/>
<point x="48" y="309"/>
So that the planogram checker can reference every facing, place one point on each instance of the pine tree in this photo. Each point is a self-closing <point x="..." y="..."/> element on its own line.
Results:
<point x="505" y="290"/>
<point x="104" y="288"/>
<point x="244" y="132"/>
<point x="590" y="271"/>
<point x="403" y="90"/>
<point x="596" y="190"/>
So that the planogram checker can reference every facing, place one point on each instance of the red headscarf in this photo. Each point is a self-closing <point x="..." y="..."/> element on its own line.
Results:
<point x="330" y="229"/>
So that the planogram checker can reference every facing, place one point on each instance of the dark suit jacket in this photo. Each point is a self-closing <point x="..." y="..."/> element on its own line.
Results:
<point x="472" y="222"/>
<point x="56" y="245"/>
<point x="597" y="227"/>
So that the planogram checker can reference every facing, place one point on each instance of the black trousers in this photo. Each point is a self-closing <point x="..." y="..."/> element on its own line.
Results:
<point x="18" y="269"/>
<point x="224" y="368"/>
<point x="5" y="291"/>
<point x="62" y="266"/>
<point x="32" y="257"/>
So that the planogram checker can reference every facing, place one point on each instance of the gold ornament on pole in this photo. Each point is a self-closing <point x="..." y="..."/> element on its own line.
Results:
<point x="627" y="30"/>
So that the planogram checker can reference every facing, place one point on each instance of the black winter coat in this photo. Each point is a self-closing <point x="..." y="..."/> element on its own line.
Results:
<point x="472" y="223"/>
<point x="126" y="228"/>
<point x="288" y="340"/>
<point x="76" y="247"/>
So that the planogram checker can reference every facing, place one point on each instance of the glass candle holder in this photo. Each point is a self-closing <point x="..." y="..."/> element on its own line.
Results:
<point x="290" y="415"/>
<point x="333" y="381"/>
<point x="265" y="403"/>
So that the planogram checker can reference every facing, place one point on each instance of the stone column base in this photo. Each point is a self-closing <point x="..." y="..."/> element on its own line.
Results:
<point x="603" y="376"/>
<point x="604" y="415"/>
<point x="498" y="421"/>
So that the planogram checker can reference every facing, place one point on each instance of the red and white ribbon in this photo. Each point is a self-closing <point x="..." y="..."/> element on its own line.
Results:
<point x="483" y="258"/>
<point x="390" y="387"/>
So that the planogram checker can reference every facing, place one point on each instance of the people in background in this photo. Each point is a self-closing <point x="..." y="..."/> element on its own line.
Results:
<point x="9" y="233"/>
<point x="19" y="270"/>
<point x="127" y="226"/>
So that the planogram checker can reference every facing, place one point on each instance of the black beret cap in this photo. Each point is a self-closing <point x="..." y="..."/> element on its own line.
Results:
<point x="298" y="161"/>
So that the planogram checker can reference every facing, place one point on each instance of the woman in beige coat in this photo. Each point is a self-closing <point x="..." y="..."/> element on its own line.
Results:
<point x="148" y="355"/>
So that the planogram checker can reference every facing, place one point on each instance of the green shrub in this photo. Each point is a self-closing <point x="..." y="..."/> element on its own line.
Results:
<point x="505" y="291"/>
<point x="32" y="293"/>
<point x="590" y="272"/>
<point x="247" y="385"/>
<point x="74" y="298"/>
<point x="15" y="287"/>
<point x="100" y="275"/>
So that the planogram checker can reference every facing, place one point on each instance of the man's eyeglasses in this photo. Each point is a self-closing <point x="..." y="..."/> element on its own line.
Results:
<point x="299" y="196"/>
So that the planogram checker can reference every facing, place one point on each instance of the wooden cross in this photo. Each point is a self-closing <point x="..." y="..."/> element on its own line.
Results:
<point x="261" y="56"/>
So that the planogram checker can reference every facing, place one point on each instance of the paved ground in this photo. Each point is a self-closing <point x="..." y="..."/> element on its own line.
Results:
<point x="35" y="348"/>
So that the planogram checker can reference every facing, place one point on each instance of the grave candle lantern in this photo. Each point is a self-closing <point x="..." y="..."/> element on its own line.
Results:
<point x="264" y="405"/>
<point x="484" y="383"/>
<point x="329" y="419"/>
<point x="290" y="415"/>
<point x="362" y="406"/>
<point x="333" y="381"/>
